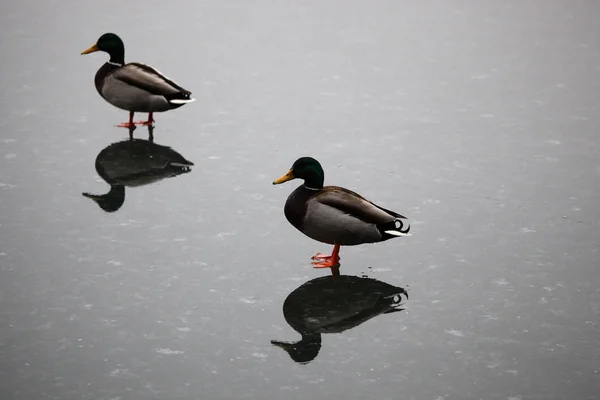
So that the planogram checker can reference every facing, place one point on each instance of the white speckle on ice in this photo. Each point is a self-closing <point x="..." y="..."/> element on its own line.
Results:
<point x="169" y="351"/>
<point x="184" y="329"/>
<point x="512" y="371"/>
<point x="247" y="300"/>
<point x="260" y="355"/>
<point x="381" y="269"/>
<point x="128" y="222"/>
<point x="527" y="230"/>
<point x="514" y="397"/>
<point x="455" y="332"/>
<point x="488" y="317"/>
<point x="221" y="235"/>
<point x="119" y="372"/>
<point x="290" y="388"/>
<point x="501" y="282"/>
<point x="579" y="117"/>
<point x="114" y="262"/>
<point x="431" y="201"/>
<point x="10" y="156"/>
<point x="297" y="278"/>
<point x="553" y="142"/>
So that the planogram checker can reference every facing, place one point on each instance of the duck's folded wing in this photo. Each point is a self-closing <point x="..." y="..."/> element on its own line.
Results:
<point x="147" y="78"/>
<point x="351" y="203"/>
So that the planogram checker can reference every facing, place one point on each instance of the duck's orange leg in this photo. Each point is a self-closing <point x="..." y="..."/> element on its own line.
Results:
<point x="129" y="124"/>
<point x="148" y="122"/>
<point x="326" y="261"/>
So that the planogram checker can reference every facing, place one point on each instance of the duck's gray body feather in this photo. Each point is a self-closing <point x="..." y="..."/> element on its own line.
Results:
<point x="328" y="224"/>
<point x="139" y="88"/>
<point x="336" y="215"/>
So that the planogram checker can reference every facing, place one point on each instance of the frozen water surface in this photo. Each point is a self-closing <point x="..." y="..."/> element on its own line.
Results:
<point x="477" y="120"/>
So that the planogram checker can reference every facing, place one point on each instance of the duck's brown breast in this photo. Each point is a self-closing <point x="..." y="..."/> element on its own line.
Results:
<point x="296" y="204"/>
<point x="101" y="75"/>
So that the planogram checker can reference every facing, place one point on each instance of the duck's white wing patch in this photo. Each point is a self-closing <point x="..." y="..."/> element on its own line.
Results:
<point x="182" y="101"/>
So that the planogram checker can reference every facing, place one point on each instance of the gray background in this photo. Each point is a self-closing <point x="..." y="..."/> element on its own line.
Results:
<point x="478" y="120"/>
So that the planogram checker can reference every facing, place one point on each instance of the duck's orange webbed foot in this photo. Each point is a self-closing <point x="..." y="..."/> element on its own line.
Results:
<point x="327" y="261"/>
<point x="320" y="256"/>
<point x="149" y="122"/>
<point x="129" y="125"/>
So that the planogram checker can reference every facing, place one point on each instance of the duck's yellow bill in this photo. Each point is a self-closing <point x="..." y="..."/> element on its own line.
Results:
<point x="90" y="50"/>
<point x="287" y="177"/>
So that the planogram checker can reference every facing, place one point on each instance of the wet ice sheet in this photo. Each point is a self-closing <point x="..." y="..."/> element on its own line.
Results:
<point x="479" y="123"/>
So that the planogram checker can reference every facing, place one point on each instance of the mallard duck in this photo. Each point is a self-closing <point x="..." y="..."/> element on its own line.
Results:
<point x="134" y="87"/>
<point x="132" y="163"/>
<point x="327" y="305"/>
<point x="335" y="215"/>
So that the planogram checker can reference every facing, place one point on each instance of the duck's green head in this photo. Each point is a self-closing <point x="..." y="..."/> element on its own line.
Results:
<point x="111" y="44"/>
<point x="306" y="168"/>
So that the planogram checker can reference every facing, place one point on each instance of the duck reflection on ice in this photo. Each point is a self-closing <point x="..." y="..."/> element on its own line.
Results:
<point x="135" y="162"/>
<point x="333" y="304"/>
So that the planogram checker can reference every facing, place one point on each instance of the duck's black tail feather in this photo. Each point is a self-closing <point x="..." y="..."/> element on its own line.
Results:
<point x="395" y="228"/>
